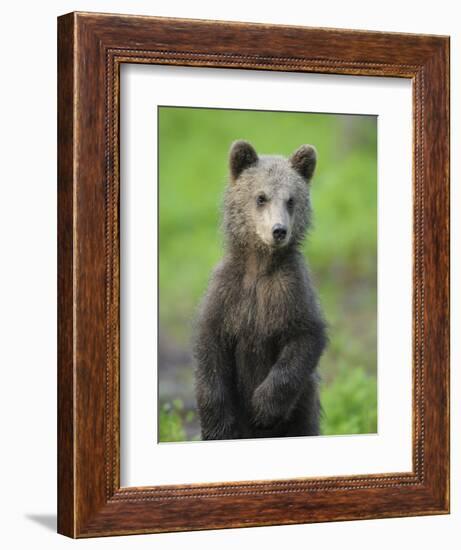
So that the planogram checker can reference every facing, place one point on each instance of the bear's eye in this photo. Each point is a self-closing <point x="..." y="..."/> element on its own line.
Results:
<point x="261" y="199"/>
<point x="290" y="203"/>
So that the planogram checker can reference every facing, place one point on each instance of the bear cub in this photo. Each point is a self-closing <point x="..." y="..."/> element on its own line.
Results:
<point x="260" y="331"/>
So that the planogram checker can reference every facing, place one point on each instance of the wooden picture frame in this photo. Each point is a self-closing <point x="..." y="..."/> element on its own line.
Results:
<point x="91" y="48"/>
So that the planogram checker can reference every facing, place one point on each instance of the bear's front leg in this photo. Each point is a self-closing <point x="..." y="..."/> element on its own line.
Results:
<point x="214" y="387"/>
<point x="274" y="399"/>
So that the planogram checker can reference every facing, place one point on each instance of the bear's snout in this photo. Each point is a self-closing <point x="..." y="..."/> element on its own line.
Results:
<point x="279" y="232"/>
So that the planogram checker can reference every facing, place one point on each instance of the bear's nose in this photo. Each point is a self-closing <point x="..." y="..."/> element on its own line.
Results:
<point x="279" y="232"/>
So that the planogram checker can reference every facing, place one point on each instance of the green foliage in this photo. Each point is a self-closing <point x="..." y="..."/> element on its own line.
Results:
<point x="341" y="250"/>
<point x="175" y="422"/>
<point x="350" y="403"/>
<point x="170" y="422"/>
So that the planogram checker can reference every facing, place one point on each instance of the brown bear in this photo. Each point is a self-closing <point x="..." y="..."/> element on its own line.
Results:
<point x="260" y="331"/>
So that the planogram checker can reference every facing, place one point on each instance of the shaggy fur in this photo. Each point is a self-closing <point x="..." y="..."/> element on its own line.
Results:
<point x="260" y="330"/>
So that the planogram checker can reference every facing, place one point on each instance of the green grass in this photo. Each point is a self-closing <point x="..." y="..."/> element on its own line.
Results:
<point x="341" y="249"/>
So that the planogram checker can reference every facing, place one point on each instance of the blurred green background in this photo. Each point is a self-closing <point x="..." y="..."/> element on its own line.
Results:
<point x="341" y="249"/>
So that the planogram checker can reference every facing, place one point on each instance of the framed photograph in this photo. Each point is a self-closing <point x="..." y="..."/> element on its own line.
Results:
<point x="253" y="240"/>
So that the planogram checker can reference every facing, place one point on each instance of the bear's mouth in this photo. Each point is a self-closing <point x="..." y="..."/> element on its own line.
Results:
<point x="274" y="239"/>
<point x="276" y="244"/>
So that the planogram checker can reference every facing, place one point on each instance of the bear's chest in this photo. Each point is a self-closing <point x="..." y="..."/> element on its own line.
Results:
<point x="261" y="307"/>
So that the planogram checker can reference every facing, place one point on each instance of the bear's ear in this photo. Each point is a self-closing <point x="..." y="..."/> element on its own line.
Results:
<point x="304" y="160"/>
<point x="242" y="155"/>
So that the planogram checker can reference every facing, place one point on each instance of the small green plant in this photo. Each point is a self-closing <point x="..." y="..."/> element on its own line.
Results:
<point x="170" y="422"/>
<point x="176" y="423"/>
<point x="350" y="403"/>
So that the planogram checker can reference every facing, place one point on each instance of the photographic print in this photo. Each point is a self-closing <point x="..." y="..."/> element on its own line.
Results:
<point x="267" y="234"/>
<point x="223" y="301"/>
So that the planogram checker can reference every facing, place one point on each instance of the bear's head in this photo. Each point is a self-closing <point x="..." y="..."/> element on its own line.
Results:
<point x="267" y="203"/>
